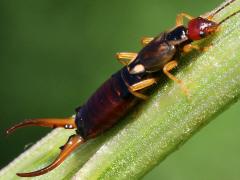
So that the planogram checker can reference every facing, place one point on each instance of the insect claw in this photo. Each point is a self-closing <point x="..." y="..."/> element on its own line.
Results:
<point x="68" y="123"/>
<point x="73" y="142"/>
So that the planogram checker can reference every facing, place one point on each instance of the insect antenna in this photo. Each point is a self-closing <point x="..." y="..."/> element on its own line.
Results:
<point x="221" y="8"/>
<point x="229" y="17"/>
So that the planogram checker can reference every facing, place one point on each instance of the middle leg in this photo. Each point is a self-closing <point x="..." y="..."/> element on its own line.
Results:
<point x="126" y="58"/>
<point x="168" y="67"/>
<point x="141" y="85"/>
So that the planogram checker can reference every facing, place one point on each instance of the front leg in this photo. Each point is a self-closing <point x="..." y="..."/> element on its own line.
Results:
<point x="146" y="40"/>
<point x="179" y="19"/>
<point x="189" y="47"/>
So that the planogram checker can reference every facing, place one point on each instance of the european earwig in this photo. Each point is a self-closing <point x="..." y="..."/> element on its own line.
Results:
<point x="124" y="89"/>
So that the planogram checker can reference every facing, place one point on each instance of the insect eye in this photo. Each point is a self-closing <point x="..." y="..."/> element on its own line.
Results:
<point x="202" y="34"/>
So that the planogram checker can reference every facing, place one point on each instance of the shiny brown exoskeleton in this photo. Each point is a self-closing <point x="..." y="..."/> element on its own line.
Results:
<point x="126" y="88"/>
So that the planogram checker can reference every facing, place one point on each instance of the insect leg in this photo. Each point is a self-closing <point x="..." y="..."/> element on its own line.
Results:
<point x="146" y="40"/>
<point x="126" y="58"/>
<point x="189" y="47"/>
<point x="141" y="85"/>
<point x="139" y="95"/>
<point x="73" y="142"/>
<point x="168" y="67"/>
<point x="179" y="19"/>
<point x="68" y="123"/>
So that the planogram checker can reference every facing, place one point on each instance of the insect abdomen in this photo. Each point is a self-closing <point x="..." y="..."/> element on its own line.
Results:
<point x="103" y="109"/>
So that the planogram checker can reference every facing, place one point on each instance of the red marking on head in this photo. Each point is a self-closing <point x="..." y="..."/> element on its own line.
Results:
<point x="199" y="28"/>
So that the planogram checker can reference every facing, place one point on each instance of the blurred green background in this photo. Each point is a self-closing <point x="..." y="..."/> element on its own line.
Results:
<point x="54" y="54"/>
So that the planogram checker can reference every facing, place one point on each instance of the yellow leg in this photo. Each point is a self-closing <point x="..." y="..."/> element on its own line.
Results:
<point x="126" y="58"/>
<point x="141" y="85"/>
<point x="139" y="95"/>
<point x="146" y="40"/>
<point x="168" y="67"/>
<point x="189" y="47"/>
<point x="179" y="19"/>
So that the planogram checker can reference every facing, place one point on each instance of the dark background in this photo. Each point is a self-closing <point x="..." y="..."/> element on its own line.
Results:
<point x="54" y="54"/>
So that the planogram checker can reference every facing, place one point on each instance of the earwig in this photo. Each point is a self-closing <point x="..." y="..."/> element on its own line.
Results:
<point x="127" y="87"/>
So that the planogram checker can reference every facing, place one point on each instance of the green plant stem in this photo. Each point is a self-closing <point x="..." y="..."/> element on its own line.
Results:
<point x="156" y="127"/>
